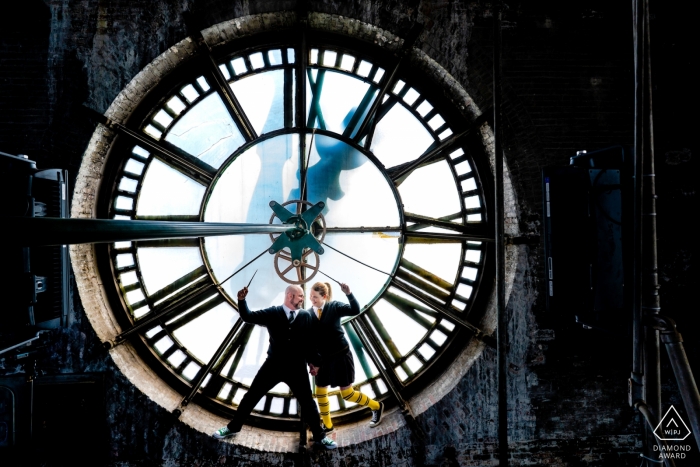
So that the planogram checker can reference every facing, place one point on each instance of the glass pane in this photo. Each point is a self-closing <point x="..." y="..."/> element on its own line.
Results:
<point x="191" y="370"/>
<point x="165" y="191"/>
<point x="129" y="184"/>
<point x="364" y="69"/>
<point x="163" y="266"/>
<point x="202" y="81"/>
<point x="281" y="388"/>
<point x="364" y="365"/>
<point x="464" y="290"/>
<point x="340" y="96"/>
<point x="277" y="405"/>
<point x="472" y="202"/>
<point x="134" y="296"/>
<point x="410" y="96"/>
<point x="405" y="332"/>
<point x="413" y="363"/>
<point x="378" y="75"/>
<point x="436" y="122"/>
<point x="164" y="344"/>
<point x="473" y="255"/>
<point x="190" y="93"/>
<point x="377" y="250"/>
<point x="399" y="137"/>
<point x="424" y="108"/>
<point x="256" y="60"/>
<point x="336" y="171"/>
<point x="438" y="337"/>
<point x="122" y="202"/>
<point x="469" y="184"/>
<point x="275" y="57"/>
<point x="242" y="194"/>
<point x="329" y="57"/>
<point x="206" y="131"/>
<point x="203" y="335"/>
<point x="125" y="260"/>
<point x="441" y="259"/>
<point x="254" y="355"/>
<point x="239" y="66"/>
<point x="153" y="131"/>
<point x="426" y="351"/>
<point x="134" y="166"/>
<point x="262" y="99"/>
<point x="244" y="191"/>
<point x="129" y="278"/>
<point x="176" y="105"/>
<point x="176" y="358"/>
<point x="441" y="199"/>
<point x="347" y="62"/>
<point x="163" y="118"/>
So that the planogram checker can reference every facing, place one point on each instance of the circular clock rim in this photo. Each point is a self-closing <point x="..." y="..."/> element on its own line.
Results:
<point x="95" y="168"/>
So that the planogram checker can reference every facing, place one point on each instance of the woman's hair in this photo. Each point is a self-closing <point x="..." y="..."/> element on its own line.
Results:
<point x="323" y="289"/>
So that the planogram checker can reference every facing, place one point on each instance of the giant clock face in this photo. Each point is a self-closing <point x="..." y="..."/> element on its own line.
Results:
<point x="404" y="221"/>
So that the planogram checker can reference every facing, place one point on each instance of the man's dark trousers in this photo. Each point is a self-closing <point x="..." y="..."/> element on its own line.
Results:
<point x="272" y="372"/>
<point x="286" y="362"/>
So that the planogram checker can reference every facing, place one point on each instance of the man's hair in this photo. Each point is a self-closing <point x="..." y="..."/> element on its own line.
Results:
<point x="293" y="288"/>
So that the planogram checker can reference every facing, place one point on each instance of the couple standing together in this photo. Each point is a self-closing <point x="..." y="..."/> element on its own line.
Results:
<point x="298" y="337"/>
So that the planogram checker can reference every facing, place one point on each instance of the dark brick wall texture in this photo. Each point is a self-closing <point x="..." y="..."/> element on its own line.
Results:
<point x="568" y="85"/>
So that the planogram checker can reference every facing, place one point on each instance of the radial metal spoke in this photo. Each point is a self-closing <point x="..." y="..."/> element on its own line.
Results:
<point x="199" y="171"/>
<point x="440" y="237"/>
<point x="203" y="372"/>
<point x="389" y="81"/>
<point x="399" y="173"/>
<point x="447" y="313"/>
<point x="362" y="229"/>
<point x="224" y="90"/>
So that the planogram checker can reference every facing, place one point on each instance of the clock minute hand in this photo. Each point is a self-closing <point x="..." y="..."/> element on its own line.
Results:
<point x="47" y="231"/>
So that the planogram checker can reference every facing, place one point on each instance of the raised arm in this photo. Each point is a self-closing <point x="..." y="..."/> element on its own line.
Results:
<point x="353" y="309"/>
<point x="247" y="316"/>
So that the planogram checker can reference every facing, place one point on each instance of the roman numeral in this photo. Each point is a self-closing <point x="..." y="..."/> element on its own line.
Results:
<point x="172" y="155"/>
<point x="400" y="172"/>
<point x="224" y="90"/>
<point x="189" y="291"/>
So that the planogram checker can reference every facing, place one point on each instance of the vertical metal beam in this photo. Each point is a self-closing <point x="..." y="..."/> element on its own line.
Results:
<point x="300" y="121"/>
<point x="646" y="297"/>
<point x="501" y="331"/>
<point x="636" y="382"/>
<point x="302" y="59"/>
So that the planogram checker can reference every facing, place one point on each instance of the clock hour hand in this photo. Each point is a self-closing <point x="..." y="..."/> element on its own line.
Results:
<point x="310" y="214"/>
<point x="46" y="231"/>
<point x="283" y="213"/>
<point x="298" y="238"/>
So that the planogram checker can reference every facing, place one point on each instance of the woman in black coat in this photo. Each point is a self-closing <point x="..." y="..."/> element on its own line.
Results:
<point x="337" y="367"/>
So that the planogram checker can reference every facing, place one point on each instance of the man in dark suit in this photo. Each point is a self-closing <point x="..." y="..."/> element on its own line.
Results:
<point x="288" y="326"/>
